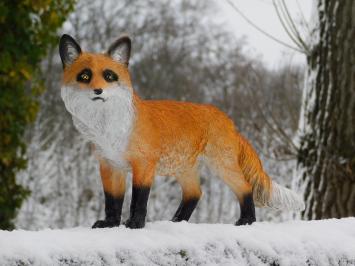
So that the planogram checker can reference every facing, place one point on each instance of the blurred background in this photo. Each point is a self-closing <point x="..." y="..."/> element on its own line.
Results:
<point x="249" y="58"/>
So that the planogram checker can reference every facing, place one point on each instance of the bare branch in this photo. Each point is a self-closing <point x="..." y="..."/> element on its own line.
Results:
<point x="260" y="29"/>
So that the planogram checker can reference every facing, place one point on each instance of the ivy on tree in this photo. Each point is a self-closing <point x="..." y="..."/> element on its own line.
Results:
<point x="27" y="29"/>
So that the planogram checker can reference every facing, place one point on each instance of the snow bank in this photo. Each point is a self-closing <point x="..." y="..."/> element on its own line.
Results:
<point x="327" y="242"/>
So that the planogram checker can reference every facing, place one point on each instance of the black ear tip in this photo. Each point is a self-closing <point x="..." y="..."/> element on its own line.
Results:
<point x="64" y="36"/>
<point x="125" y="38"/>
<point x="67" y="38"/>
<point x="122" y="39"/>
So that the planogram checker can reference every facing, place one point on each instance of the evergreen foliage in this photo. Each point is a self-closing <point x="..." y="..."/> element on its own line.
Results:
<point x="27" y="30"/>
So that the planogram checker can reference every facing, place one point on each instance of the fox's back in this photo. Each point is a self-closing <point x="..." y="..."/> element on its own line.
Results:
<point x="183" y="131"/>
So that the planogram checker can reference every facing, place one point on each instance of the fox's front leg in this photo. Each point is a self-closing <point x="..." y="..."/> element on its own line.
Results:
<point x="113" y="181"/>
<point x="143" y="175"/>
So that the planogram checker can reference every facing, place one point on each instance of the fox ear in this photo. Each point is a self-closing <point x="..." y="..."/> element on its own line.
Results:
<point x="120" y="50"/>
<point x="69" y="50"/>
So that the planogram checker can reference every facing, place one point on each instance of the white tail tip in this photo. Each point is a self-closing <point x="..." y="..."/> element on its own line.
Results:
<point x="283" y="198"/>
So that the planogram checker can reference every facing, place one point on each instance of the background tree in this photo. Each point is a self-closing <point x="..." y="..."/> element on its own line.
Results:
<point x="27" y="29"/>
<point x="326" y="157"/>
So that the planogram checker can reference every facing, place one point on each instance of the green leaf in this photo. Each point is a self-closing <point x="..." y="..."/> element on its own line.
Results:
<point x="27" y="29"/>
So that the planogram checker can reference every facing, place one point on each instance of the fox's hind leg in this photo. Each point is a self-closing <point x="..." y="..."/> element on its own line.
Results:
<point x="191" y="193"/>
<point x="247" y="210"/>
<point x="235" y="179"/>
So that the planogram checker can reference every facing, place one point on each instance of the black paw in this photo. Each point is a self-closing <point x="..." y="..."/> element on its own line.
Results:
<point x="175" y="219"/>
<point x="135" y="223"/>
<point x="106" y="224"/>
<point x="245" y="220"/>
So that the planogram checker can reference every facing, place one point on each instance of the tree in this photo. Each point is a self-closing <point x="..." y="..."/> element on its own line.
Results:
<point x="326" y="157"/>
<point x="27" y="29"/>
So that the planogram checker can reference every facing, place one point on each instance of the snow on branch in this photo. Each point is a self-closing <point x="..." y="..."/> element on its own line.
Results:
<point x="325" y="242"/>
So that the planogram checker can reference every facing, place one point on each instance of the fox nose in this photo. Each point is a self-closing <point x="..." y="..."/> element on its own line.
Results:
<point x="97" y="91"/>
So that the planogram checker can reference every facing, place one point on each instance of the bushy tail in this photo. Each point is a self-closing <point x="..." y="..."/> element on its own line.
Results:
<point x="266" y="193"/>
<point x="277" y="197"/>
<point x="282" y="198"/>
<point x="272" y="195"/>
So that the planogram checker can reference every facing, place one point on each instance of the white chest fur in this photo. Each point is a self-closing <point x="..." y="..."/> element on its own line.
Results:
<point x="107" y="123"/>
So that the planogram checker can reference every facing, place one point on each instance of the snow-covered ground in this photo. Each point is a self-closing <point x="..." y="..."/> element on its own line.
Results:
<point x="326" y="242"/>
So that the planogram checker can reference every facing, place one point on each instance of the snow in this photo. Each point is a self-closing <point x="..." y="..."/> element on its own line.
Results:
<point x="324" y="242"/>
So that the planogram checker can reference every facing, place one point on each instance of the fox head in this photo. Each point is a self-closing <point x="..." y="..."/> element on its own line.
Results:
<point x="97" y="91"/>
<point x="95" y="72"/>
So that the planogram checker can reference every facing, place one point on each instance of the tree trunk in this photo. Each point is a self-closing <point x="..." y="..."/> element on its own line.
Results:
<point x="326" y="158"/>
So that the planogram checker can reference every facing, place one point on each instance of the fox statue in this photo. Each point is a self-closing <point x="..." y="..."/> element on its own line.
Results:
<point x="157" y="137"/>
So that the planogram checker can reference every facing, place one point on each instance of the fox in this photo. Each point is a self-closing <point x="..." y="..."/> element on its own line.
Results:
<point x="158" y="137"/>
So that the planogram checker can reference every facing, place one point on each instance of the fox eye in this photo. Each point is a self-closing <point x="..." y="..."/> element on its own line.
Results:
<point x="109" y="75"/>
<point x="84" y="76"/>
